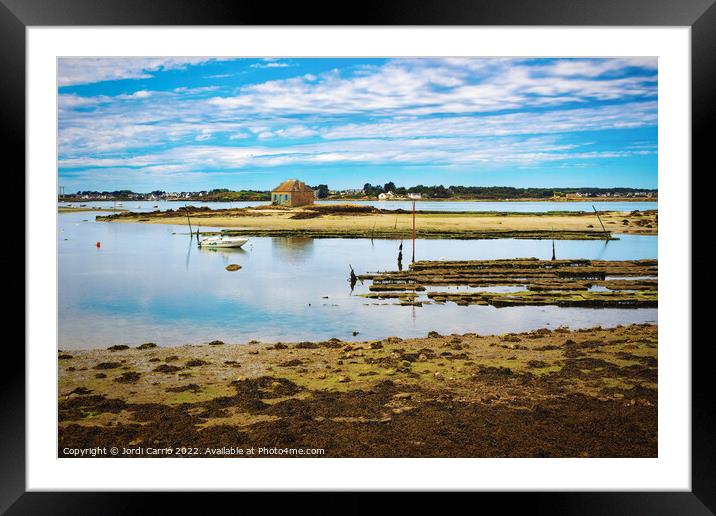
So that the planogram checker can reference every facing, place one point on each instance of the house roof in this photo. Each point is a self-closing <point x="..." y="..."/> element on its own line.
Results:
<point x="292" y="185"/>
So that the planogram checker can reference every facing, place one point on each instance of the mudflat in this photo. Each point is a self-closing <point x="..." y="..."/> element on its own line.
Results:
<point x="351" y="221"/>
<point x="546" y="393"/>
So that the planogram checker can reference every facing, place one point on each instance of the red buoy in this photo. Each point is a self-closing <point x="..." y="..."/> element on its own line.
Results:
<point x="99" y="245"/>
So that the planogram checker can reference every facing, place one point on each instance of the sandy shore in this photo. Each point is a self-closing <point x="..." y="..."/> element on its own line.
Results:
<point x="548" y="393"/>
<point x="337" y="221"/>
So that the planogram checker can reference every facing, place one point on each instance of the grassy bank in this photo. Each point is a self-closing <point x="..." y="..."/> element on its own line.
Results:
<point x="556" y="393"/>
<point x="345" y="221"/>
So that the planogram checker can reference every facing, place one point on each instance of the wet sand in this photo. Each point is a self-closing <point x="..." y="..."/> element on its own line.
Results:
<point x="547" y="393"/>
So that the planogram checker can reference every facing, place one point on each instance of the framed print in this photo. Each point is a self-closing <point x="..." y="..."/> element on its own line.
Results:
<point x="439" y="249"/>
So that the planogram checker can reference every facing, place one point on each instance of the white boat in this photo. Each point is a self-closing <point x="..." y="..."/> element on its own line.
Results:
<point x="222" y="241"/>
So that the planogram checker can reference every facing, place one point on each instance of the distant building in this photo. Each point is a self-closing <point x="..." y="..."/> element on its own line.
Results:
<point x="414" y="196"/>
<point x="386" y="195"/>
<point x="292" y="193"/>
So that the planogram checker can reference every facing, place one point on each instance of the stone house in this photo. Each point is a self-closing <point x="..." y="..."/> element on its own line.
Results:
<point x="292" y="193"/>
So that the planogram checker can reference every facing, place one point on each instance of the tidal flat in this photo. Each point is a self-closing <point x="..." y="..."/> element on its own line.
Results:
<point x="362" y="221"/>
<point x="543" y="393"/>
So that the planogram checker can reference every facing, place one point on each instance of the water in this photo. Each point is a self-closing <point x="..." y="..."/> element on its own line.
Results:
<point x="145" y="206"/>
<point x="499" y="206"/>
<point x="146" y="284"/>
<point x="505" y="206"/>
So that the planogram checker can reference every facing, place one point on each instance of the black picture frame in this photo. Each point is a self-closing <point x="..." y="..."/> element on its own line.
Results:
<point x="17" y="15"/>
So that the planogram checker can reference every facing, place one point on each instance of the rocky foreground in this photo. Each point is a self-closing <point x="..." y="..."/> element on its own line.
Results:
<point x="547" y="393"/>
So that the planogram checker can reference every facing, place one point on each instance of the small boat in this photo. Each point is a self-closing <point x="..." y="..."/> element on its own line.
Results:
<point x="222" y="241"/>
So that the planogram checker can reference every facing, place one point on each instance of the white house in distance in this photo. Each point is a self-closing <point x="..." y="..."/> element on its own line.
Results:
<point x="386" y="195"/>
<point x="414" y="196"/>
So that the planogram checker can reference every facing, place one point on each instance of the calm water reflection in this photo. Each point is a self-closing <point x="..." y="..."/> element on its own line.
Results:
<point x="146" y="283"/>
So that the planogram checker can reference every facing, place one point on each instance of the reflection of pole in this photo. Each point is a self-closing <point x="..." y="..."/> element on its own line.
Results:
<point x="189" y="221"/>
<point x="353" y="278"/>
<point x="413" y="231"/>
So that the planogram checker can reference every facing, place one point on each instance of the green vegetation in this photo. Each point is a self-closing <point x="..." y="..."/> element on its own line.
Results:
<point x="225" y="195"/>
<point x="498" y="192"/>
<point x="321" y="191"/>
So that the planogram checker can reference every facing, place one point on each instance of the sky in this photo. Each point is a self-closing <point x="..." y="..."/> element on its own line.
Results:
<point x="188" y="124"/>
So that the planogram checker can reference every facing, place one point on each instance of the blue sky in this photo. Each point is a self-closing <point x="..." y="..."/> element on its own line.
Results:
<point x="200" y="123"/>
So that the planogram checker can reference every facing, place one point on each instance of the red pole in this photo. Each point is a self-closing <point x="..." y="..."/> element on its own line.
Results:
<point x="413" y="231"/>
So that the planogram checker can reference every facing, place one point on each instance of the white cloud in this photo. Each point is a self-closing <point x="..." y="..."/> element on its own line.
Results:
<point x="291" y="132"/>
<point x="87" y="70"/>
<point x="422" y="87"/>
<point x="205" y="134"/>
<point x="270" y="65"/>
<point x="561" y="121"/>
<point x="522" y="151"/>
<point x="597" y="67"/>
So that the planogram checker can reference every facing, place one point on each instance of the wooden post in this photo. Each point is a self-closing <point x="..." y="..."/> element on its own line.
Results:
<point x="413" y="232"/>
<point x="600" y="220"/>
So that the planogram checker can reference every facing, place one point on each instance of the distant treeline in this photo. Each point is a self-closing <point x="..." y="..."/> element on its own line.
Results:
<point x="113" y="193"/>
<point x="495" y="192"/>
<point x="223" y="194"/>
<point x="218" y="194"/>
